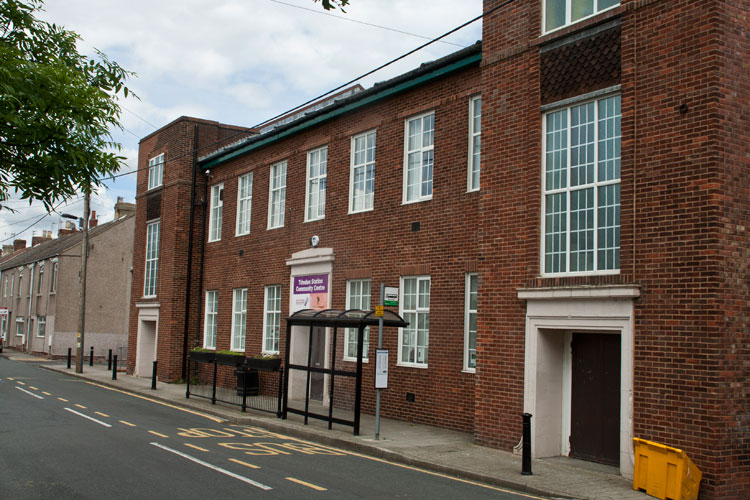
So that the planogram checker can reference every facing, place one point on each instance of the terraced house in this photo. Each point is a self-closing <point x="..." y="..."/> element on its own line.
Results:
<point x="563" y="206"/>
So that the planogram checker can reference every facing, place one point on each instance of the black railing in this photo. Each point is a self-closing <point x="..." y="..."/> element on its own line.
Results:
<point x="254" y="383"/>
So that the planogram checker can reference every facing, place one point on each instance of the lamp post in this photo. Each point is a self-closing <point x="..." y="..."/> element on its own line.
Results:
<point x="84" y="256"/>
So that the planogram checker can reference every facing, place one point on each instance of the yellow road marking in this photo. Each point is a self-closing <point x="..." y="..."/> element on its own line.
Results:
<point x="186" y="410"/>
<point x="158" y="434"/>
<point x="303" y="483"/>
<point x="244" y="463"/>
<point x="126" y="423"/>
<point x="11" y="378"/>
<point x="80" y="406"/>
<point x="20" y="383"/>
<point x="101" y="414"/>
<point x="46" y="393"/>
<point x="33" y="388"/>
<point x="63" y="400"/>
<point x="196" y="447"/>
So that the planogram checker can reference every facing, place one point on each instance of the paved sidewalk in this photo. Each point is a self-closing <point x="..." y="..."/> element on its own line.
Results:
<point x="422" y="446"/>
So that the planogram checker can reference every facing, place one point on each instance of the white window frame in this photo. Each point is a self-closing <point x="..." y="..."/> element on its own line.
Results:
<point x="40" y="280"/>
<point x="41" y="325"/>
<point x="5" y="287"/>
<point x="210" y="324"/>
<point x="421" y="150"/>
<point x="216" y="212"/>
<point x="362" y="161"/>
<point x="315" y="186"/>
<point x="19" y="323"/>
<point x="277" y="195"/>
<point x="272" y="319"/>
<point x="569" y="14"/>
<point x="357" y="301"/>
<point x="12" y="284"/>
<point x="239" y="319"/>
<point x="155" y="171"/>
<point x="475" y="143"/>
<point x="244" y="203"/>
<point x="595" y="185"/>
<point x="53" y="278"/>
<point x="151" y="272"/>
<point x="414" y="325"/>
<point x="468" y="311"/>
<point x="4" y="326"/>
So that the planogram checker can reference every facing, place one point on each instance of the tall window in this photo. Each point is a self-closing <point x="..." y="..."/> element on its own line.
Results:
<point x="317" y="169"/>
<point x="357" y="297"/>
<point x="53" y="278"/>
<point x="418" y="161"/>
<point x="4" y="327"/>
<point x="470" y="322"/>
<point x="39" y="287"/>
<point x="362" y="175"/>
<point x="155" y="171"/>
<point x="5" y="287"/>
<point x="415" y="309"/>
<point x="559" y="13"/>
<point x="277" y="195"/>
<point x="475" y="141"/>
<point x="212" y="312"/>
<point x="152" y="259"/>
<point x="12" y="284"/>
<point x="582" y="188"/>
<point x="272" y="320"/>
<point x="244" y="203"/>
<point x="41" y="325"/>
<point x="239" y="319"/>
<point x="19" y="326"/>
<point x="217" y="209"/>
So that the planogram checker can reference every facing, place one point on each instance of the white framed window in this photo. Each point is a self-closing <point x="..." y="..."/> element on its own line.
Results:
<point x="317" y="171"/>
<point x="12" y="284"/>
<point x="53" y="279"/>
<point x="239" y="319"/>
<point x="5" y="287"/>
<point x="40" y="281"/>
<point x="212" y="313"/>
<point x="41" y="325"/>
<point x="19" y="326"/>
<point x="419" y="138"/>
<point x="415" y="309"/>
<point x="277" y="195"/>
<point x="4" y="327"/>
<point x="152" y="259"/>
<point x="581" y="189"/>
<point x="560" y="13"/>
<point x="357" y="297"/>
<point x="216" y="212"/>
<point x="244" y="203"/>
<point x="155" y="171"/>
<point x="470" y="322"/>
<point x="20" y="285"/>
<point x="475" y="142"/>
<point x="272" y="320"/>
<point x="362" y="174"/>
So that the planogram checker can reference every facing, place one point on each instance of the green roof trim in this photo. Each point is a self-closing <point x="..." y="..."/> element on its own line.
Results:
<point x="325" y="116"/>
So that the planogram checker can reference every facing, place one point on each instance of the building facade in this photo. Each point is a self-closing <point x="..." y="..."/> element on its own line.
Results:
<point x="564" y="208"/>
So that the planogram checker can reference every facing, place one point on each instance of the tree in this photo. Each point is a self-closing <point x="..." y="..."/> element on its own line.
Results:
<point x="57" y="108"/>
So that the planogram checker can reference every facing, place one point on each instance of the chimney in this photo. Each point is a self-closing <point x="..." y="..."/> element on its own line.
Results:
<point x="122" y="209"/>
<point x="19" y="245"/>
<point x="7" y="250"/>
<point x="94" y="221"/>
<point x="69" y="228"/>
<point x="35" y="240"/>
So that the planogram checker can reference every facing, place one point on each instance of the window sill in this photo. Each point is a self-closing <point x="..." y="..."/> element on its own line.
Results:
<point x="412" y="365"/>
<point x="364" y="211"/>
<point x="270" y="353"/>
<point x="313" y="220"/>
<point x="238" y="235"/>
<point x="411" y="202"/>
<point x="354" y="360"/>
<point x="213" y="241"/>
<point x="272" y="228"/>
<point x="471" y="371"/>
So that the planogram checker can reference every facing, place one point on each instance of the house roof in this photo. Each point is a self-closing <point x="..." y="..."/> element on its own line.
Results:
<point x="54" y="247"/>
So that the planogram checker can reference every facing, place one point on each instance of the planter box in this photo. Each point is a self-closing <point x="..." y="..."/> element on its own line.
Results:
<point x="264" y="364"/>
<point x="204" y="357"/>
<point x="230" y="359"/>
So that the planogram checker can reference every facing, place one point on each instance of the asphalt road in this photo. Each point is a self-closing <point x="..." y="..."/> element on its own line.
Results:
<point x="65" y="438"/>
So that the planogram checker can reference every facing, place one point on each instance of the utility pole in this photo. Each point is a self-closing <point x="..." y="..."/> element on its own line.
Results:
<point x="84" y="257"/>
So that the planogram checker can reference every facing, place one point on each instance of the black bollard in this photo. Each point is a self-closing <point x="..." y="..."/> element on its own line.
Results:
<point x="526" y="457"/>
<point x="91" y="357"/>
<point x="114" y="368"/>
<point x="153" y="377"/>
<point x="109" y="360"/>
<point x="70" y="354"/>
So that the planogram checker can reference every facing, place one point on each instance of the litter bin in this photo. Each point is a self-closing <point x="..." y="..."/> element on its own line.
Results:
<point x="664" y="472"/>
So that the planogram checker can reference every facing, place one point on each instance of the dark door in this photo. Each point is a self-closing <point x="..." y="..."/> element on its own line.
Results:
<point x="317" y="359"/>
<point x="595" y="398"/>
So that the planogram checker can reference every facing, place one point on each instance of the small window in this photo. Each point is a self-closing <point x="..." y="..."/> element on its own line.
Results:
<point x="357" y="297"/>
<point x="19" y="326"/>
<point x="475" y="138"/>
<point x="415" y="309"/>
<point x="418" y="158"/>
<point x="39" y="286"/>
<point x="559" y="13"/>
<point x="155" y="171"/>
<point x="470" y="322"/>
<point x="362" y="175"/>
<point x="277" y="195"/>
<point x="212" y="312"/>
<point x="317" y="170"/>
<point x="239" y="319"/>
<point x="272" y="320"/>
<point x="215" y="214"/>
<point x="244" y="203"/>
<point x="41" y="326"/>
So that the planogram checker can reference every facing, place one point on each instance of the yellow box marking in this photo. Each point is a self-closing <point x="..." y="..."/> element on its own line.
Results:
<point x="80" y="406"/>
<point x="199" y="432"/>
<point x="158" y="434"/>
<point x="126" y="423"/>
<point x="244" y="463"/>
<point x="309" y="485"/>
<point x="46" y="393"/>
<point x="196" y="447"/>
<point x="101" y="414"/>
<point x="63" y="400"/>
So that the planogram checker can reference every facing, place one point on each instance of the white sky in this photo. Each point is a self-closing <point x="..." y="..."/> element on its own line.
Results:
<point x="238" y="62"/>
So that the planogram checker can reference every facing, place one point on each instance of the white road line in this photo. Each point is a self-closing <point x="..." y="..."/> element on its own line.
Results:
<point x="105" y="424"/>
<point x="29" y="393"/>
<point x="213" y="467"/>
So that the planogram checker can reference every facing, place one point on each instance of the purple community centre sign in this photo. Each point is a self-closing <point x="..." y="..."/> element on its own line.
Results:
<point x="310" y="292"/>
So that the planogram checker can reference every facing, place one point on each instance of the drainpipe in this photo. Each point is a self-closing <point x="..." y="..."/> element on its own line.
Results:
<point x="190" y="253"/>
<point x="31" y="299"/>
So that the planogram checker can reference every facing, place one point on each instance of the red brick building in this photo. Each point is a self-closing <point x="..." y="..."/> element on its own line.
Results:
<point x="593" y="271"/>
